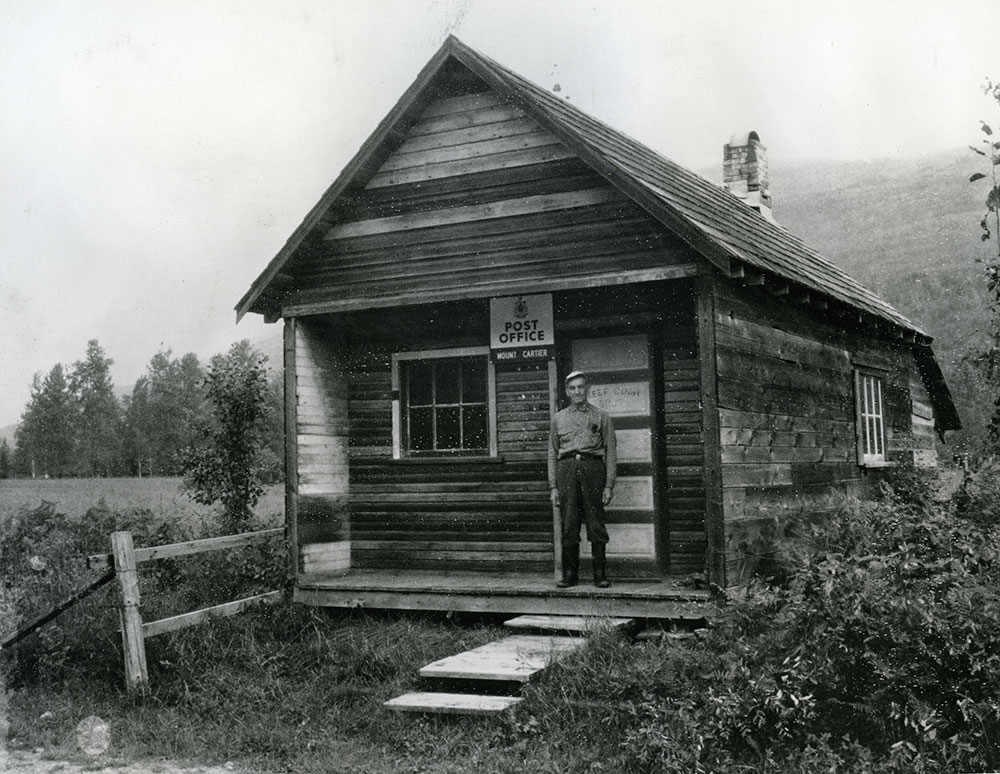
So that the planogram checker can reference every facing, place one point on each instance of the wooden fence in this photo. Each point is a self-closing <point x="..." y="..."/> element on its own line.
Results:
<point x="124" y="560"/>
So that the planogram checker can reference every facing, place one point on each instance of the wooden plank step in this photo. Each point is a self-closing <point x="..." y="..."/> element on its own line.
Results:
<point x="452" y="703"/>
<point x="512" y="659"/>
<point x="579" y="624"/>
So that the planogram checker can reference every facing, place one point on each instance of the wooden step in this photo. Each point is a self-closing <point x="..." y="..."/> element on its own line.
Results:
<point x="512" y="659"/>
<point x="569" y="623"/>
<point x="452" y="703"/>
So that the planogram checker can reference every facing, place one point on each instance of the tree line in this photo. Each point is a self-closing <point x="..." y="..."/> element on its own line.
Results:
<point x="75" y="425"/>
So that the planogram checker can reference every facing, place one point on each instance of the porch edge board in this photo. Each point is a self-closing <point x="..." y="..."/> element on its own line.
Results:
<point x="591" y="605"/>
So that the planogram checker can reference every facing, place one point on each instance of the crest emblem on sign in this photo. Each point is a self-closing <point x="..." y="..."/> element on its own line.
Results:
<point x="521" y="308"/>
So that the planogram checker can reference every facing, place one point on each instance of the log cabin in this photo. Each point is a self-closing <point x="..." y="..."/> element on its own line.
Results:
<point x="488" y="238"/>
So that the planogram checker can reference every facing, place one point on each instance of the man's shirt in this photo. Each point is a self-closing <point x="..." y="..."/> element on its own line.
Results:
<point x="585" y="429"/>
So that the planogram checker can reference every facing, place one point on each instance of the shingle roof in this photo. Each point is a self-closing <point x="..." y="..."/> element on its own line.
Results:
<point x="714" y="217"/>
<point x="712" y="221"/>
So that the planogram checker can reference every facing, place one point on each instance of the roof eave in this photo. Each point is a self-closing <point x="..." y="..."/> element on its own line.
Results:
<point x="372" y="146"/>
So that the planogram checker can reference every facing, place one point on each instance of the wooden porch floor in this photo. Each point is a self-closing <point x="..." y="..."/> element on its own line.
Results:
<point x="516" y="594"/>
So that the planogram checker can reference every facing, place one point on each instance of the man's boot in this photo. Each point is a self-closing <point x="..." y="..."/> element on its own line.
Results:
<point x="570" y="566"/>
<point x="598" y="551"/>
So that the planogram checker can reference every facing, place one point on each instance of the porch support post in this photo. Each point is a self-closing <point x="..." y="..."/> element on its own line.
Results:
<point x="291" y="452"/>
<point x="714" y="516"/>
<point x="556" y="520"/>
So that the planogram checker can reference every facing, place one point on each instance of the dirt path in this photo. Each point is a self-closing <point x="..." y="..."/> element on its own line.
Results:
<point x="26" y="762"/>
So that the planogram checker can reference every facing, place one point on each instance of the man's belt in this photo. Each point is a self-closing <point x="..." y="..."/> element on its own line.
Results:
<point x="582" y="456"/>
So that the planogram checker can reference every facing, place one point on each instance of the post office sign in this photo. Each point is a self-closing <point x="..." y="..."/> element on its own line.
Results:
<point x="521" y="328"/>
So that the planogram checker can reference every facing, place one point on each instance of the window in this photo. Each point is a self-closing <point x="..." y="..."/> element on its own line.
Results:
<point x="443" y="402"/>
<point x="870" y="418"/>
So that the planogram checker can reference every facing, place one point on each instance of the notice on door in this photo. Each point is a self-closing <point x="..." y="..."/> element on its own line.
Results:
<point x="521" y="328"/>
<point x="621" y="399"/>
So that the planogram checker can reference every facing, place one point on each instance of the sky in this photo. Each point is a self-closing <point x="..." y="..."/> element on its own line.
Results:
<point x="155" y="156"/>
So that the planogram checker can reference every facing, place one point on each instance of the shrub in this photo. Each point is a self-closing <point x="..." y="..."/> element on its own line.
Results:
<point x="978" y="497"/>
<point x="875" y="652"/>
<point x="908" y="484"/>
<point x="43" y="561"/>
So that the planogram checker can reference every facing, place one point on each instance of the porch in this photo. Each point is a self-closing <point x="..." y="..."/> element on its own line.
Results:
<point x="503" y="593"/>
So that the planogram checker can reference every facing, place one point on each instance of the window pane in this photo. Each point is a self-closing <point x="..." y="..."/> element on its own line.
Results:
<point x="879" y="424"/>
<point x="420" y="375"/>
<point x="447" y="376"/>
<point x="474" y="427"/>
<point x="872" y="417"/>
<point x="448" y="432"/>
<point x="474" y="380"/>
<point x="421" y="429"/>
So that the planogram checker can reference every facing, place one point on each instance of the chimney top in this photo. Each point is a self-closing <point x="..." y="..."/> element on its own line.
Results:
<point x="744" y="171"/>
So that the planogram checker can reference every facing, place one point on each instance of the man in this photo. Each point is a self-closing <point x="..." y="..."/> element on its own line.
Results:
<point x="582" y="461"/>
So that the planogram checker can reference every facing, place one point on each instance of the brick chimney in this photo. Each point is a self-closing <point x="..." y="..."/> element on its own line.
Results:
<point x="744" y="171"/>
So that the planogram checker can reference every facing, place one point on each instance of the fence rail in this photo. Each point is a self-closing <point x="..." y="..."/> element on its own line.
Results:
<point x="187" y="548"/>
<point x="67" y="603"/>
<point x="125" y="558"/>
<point x="122" y="563"/>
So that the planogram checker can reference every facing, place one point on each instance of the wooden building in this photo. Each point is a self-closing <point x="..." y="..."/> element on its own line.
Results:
<point x="488" y="238"/>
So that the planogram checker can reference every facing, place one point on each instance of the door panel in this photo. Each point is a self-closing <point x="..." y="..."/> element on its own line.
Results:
<point x="621" y="383"/>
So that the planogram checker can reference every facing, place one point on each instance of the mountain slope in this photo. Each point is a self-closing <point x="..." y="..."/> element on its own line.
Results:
<point x="906" y="228"/>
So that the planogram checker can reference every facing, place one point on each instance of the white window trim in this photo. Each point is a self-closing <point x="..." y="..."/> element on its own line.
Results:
<point x="398" y="452"/>
<point x="868" y="409"/>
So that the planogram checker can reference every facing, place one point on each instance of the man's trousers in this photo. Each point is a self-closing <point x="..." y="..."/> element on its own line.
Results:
<point x="580" y="480"/>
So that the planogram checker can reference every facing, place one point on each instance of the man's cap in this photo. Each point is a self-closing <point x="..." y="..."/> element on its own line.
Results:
<point x="574" y="375"/>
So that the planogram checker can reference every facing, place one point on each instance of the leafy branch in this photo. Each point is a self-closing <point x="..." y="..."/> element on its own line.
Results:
<point x="990" y="151"/>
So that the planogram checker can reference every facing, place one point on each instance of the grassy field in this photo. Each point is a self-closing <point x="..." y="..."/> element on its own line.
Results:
<point x="163" y="497"/>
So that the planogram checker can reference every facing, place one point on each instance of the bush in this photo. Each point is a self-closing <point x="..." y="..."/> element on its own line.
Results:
<point x="978" y="498"/>
<point x="43" y="561"/>
<point x="876" y="652"/>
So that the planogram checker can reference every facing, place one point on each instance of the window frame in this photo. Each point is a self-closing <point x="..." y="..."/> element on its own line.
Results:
<point x="866" y="414"/>
<point x="399" y="451"/>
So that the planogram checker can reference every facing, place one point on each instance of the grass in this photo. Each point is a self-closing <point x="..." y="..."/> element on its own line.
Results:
<point x="284" y="689"/>
<point x="294" y="689"/>
<point x="163" y="497"/>
<point x="274" y="689"/>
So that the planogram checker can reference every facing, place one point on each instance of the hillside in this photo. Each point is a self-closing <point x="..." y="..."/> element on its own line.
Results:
<point x="907" y="228"/>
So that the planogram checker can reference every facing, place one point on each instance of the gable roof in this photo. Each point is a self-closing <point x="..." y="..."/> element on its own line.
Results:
<point x="715" y="223"/>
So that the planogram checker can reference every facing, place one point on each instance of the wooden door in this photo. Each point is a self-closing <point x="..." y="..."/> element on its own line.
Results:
<point x="622" y="383"/>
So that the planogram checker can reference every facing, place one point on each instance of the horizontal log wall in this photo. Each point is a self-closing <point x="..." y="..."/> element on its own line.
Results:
<point x="471" y="515"/>
<point x="322" y="421"/>
<point x="479" y="199"/>
<point x="787" y="416"/>
<point x="922" y="424"/>
<point x="684" y="449"/>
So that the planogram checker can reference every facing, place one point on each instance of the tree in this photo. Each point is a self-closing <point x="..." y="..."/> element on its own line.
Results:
<point x="5" y="459"/>
<point x="46" y="436"/>
<point x="988" y="361"/>
<point x="174" y="409"/>
<point x="136" y="446"/>
<point x="225" y="465"/>
<point x="98" y="413"/>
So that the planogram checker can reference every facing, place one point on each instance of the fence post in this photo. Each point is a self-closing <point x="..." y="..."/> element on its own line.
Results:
<point x="133" y="644"/>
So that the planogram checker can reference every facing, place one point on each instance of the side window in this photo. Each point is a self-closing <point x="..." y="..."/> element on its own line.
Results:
<point x="443" y="404"/>
<point x="869" y="390"/>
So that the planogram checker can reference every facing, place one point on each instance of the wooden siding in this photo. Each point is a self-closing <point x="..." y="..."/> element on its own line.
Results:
<point x="922" y="423"/>
<point x="477" y="199"/>
<point x="321" y="433"/>
<point x="787" y="416"/>
<point x="473" y="514"/>
<point x="683" y="443"/>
